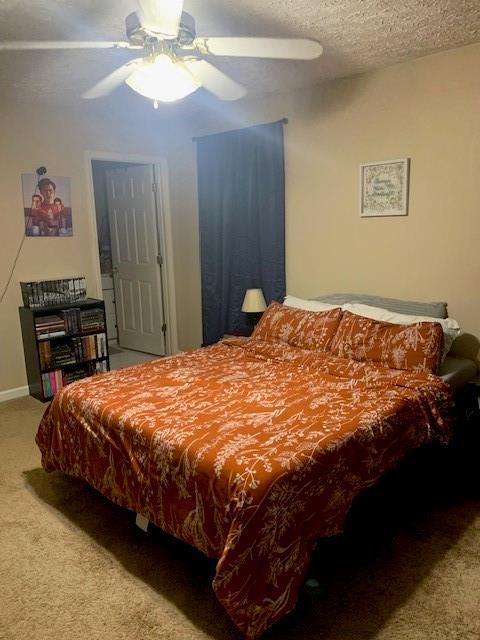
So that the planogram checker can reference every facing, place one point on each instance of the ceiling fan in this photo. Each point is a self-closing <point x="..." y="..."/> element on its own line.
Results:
<point x="173" y="61"/>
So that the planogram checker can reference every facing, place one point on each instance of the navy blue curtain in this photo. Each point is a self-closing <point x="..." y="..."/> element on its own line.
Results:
<point x="241" y="192"/>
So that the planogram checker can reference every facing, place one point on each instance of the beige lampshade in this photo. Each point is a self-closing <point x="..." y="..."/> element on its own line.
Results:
<point x="254" y="302"/>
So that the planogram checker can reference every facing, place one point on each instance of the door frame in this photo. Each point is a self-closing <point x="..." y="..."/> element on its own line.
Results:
<point x="164" y="222"/>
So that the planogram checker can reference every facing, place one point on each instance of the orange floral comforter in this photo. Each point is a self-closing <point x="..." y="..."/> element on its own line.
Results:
<point x="248" y="450"/>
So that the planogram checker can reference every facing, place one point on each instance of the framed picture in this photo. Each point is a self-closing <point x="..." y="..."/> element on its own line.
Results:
<point x="47" y="208"/>
<point x="384" y="188"/>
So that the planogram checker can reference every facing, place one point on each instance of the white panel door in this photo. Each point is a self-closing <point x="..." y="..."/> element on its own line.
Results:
<point x="137" y="279"/>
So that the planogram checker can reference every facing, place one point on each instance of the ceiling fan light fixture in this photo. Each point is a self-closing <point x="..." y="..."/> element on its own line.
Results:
<point x="161" y="18"/>
<point x="163" y="80"/>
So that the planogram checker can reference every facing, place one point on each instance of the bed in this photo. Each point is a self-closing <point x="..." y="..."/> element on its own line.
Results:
<point x="251" y="449"/>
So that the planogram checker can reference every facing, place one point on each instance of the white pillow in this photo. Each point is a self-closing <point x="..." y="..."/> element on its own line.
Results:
<point x="308" y="305"/>
<point x="451" y="328"/>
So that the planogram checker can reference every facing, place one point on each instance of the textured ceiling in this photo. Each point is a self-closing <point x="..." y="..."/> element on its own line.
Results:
<point x="357" y="35"/>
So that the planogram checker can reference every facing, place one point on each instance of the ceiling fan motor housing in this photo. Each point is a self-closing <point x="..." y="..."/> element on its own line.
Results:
<point x="187" y="32"/>
<point x="137" y="35"/>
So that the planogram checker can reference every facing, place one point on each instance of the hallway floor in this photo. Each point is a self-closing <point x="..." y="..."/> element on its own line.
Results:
<point x="120" y="357"/>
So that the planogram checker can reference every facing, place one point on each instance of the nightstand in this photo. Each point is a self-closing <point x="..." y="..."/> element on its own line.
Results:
<point x="465" y="440"/>
<point x="467" y="403"/>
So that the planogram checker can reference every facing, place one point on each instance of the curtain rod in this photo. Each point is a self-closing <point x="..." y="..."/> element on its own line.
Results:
<point x="207" y="135"/>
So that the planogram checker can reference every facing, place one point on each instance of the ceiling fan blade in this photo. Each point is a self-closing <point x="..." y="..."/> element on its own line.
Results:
<point x="214" y="80"/>
<point x="161" y="17"/>
<point x="287" y="48"/>
<point x="25" y="45"/>
<point x="112" y="81"/>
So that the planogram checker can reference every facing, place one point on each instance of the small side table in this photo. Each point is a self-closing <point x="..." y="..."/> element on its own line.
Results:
<point x="468" y="403"/>
<point x="465" y="441"/>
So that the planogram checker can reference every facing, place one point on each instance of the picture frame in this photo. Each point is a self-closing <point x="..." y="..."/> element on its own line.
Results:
<point x="384" y="188"/>
<point x="47" y="207"/>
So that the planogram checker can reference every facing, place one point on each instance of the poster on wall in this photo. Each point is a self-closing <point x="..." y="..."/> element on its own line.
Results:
<point x="384" y="188"/>
<point x="47" y="207"/>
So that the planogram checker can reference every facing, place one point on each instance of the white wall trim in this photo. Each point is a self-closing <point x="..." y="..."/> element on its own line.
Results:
<point x="160" y="167"/>
<point x="11" y="394"/>
<point x="166" y="250"/>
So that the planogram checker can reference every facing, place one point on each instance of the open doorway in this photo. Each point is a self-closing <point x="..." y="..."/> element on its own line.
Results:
<point x="130" y="260"/>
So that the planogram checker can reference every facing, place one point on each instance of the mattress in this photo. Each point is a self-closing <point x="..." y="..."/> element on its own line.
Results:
<point x="457" y="371"/>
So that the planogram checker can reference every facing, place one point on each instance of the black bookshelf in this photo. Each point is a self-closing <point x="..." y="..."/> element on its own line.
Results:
<point x="89" y="348"/>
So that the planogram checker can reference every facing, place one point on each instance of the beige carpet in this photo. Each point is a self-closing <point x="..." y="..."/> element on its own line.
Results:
<point x="74" y="566"/>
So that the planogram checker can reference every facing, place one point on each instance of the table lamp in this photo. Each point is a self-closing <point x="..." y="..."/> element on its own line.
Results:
<point x="253" y="305"/>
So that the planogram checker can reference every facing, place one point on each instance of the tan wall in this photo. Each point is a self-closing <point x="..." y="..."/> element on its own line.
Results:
<point x="31" y="136"/>
<point x="427" y="110"/>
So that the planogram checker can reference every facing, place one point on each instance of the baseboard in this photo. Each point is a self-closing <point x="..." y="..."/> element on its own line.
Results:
<point x="11" y="394"/>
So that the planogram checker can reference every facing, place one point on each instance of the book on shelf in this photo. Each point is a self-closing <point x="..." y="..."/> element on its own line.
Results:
<point x="51" y="334"/>
<point x="45" y="354"/>
<point x="52" y="381"/>
<point x="46" y="293"/>
<point x="79" y="320"/>
<point x="46" y="384"/>
<point x="101" y="366"/>
<point x="76" y="350"/>
<point x="73" y="376"/>
<point x="90" y="347"/>
<point x="71" y="318"/>
<point x="92" y="319"/>
<point x="78" y="374"/>
<point x="49" y="326"/>
<point x="70" y="321"/>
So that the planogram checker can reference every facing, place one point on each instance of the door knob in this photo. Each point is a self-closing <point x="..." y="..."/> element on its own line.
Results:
<point x="114" y="270"/>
